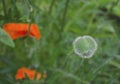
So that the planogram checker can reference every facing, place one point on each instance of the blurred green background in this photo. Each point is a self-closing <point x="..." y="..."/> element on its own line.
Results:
<point x="60" y="22"/>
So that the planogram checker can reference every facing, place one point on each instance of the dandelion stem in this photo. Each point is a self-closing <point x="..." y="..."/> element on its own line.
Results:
<point x="4" y="7"/>
<point x="67" y="59"/>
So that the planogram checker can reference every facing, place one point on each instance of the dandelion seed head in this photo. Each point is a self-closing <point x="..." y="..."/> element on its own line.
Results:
<point x="84" y="46"/>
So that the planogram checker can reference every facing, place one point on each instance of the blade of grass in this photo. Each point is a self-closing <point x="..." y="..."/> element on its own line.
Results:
<point x="4" y="7"/>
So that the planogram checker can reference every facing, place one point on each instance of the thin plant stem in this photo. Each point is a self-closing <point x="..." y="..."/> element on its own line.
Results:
<point x="90" y="23"/>
<point x="114" y="4"/>
<point x="4" y="7"/>
<point x="64" y="18"/>
<point x="64" y="14"/>
<point x="51" y="6"/>
<point x="91" y="19"/>
<point x="30" y="22"/>
<point x="82" y="62"/>
<point x="29" y="4"/>
<point x="30" y="16"/>
<point x="67" y="74"/>
<point x="29" y="27"/>
<point x="67" y="58"/>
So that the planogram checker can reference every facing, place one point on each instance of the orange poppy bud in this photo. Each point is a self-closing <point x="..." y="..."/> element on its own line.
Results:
<point x="21" y="73"/>
<point x="20" y="76"/>
<point x="17" y="30"/>
<point x="30" y="73"/>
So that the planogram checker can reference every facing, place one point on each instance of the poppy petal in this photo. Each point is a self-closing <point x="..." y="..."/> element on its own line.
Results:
<point x="17" y="30"/>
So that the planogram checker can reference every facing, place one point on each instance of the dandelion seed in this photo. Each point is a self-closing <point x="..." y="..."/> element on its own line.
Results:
<point x="84" y="46"/>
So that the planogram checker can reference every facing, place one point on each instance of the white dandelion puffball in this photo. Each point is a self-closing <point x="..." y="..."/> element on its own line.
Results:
<point x="85" y="46"/>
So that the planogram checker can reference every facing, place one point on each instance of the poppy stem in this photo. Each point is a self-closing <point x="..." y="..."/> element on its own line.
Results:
<point x="4" y="7"/>
<point x="29" y="27"/>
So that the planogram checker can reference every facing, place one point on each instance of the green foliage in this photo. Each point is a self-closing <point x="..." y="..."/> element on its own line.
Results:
<point x="5" y="38"/>
<point x="59" y="26"/>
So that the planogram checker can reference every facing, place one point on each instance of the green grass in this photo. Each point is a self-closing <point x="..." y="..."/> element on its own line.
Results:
<point x="59" y="26"/>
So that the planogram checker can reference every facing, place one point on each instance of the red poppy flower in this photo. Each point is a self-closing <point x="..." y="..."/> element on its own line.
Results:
<point x="30" y="73"/>
<point x="18" y="30"/>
